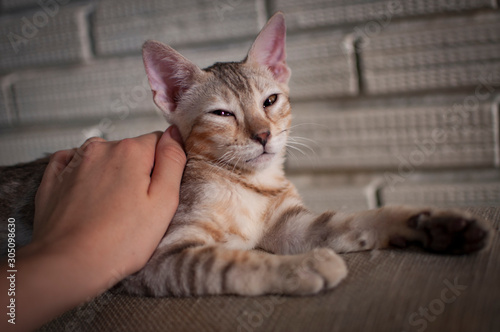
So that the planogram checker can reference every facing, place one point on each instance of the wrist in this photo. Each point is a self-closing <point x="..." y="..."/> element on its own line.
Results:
<point x="51" y="279"/>
<point x="66" y="261"/>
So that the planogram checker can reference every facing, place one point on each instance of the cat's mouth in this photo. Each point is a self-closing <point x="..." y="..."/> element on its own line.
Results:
<point x="262" y="158"/>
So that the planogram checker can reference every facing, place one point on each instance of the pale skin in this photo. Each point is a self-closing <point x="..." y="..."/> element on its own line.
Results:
<point x="100" y="212"/>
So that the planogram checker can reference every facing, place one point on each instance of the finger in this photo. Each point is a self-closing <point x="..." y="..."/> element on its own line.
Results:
<point x="149" y="141"/>
<point x="170" y="160"/>
<point x="156" y="135"/>
<point x="145" y="138"/>
<point x="58" y="162"/>
<point x="139" y="153"/>
<point x="62" y="157"/>
<point x="91" y="140"/>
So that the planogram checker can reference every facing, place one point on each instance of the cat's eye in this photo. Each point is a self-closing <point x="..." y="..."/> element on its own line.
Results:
<point x="222" y="113"/>
<point x="270" y="100"/>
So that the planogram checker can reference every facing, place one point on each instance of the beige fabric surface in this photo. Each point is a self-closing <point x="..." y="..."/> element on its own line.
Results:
<point x="390" y="290"/>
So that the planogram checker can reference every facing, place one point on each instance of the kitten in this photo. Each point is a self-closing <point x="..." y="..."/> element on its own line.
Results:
<point x="241" y="227"/>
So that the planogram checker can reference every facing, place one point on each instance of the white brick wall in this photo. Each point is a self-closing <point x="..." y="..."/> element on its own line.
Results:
<point x="427" y="134"/>
<point x="304" y="14"/>
<point x="432" y="54"/>
<point x="122" y="26"/>
<point x="91" y="91"/>
<point x="373" y="83"/>
<point x="37" y="37"/>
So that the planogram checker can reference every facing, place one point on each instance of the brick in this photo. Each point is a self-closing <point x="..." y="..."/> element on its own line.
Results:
<point x="320" y="65"/>
<point x="122" y="26"/>
<point x="431" y="54"/>
<point x="60" y="38"/>
<point x="205" y="56"/>
<point x="473" y="193"/>
<point x="114" y="89"/>
<point x="15" y="4"/>
<point x="303" y="14"/>
<point x="6" y="116"/>
<point x="340" y="198"/>
<point x="323" y="193"/>
<point x="406" y="133"/>
<point x="136" y="127"/>
<point x="28" y="144"/>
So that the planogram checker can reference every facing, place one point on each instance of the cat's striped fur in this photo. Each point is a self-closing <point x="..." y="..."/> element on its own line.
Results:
<point x="241" y="227"/>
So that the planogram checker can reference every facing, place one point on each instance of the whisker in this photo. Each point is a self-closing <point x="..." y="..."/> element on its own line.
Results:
<point x="291" y="154"/>
<point x="309" y="124"/>
<point x="296" y="138"/>
<point x="296" y="144"/>
<point x="236" y="163"/>
<point x="297" y="149"/>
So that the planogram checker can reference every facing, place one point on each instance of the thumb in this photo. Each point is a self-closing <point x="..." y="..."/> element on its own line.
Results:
<point x="170" y="160"/>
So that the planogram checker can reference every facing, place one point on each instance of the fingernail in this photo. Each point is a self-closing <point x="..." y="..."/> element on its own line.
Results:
<point x="176" y="134"/>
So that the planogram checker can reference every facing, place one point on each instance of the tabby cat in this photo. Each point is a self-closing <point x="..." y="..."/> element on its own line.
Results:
<point x="241" y="227"/>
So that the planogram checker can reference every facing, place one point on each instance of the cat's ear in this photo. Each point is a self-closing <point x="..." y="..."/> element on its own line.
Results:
<point x="169" y="74"/>
<point x="269" y="48"/>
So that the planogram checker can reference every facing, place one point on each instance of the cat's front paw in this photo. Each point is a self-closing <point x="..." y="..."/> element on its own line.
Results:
<point x="451" y="231"/>
<point x="312" y="272"/>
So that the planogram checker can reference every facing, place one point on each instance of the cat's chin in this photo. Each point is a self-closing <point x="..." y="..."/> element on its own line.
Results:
<point x="262" y="160"/>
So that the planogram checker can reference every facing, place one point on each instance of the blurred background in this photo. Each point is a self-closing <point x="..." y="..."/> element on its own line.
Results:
<point x="394" y="101"/>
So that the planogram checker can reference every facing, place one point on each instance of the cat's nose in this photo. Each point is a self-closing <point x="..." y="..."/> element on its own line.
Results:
<point x="262" y="137"/>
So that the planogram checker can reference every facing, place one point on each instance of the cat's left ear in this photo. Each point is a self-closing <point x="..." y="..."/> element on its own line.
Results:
<point x="169" y="73"/>
<point x="269" y="48"/>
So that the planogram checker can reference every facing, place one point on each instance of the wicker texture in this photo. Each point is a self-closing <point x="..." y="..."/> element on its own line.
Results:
<point x="122" y="26"/>
<point x="5" y="114"/>
<point x="44" y="40"/>
<point x="32" y="143"/>
<point x="205" y="56"/>
<point x="338" y="198"/>
<point x="316" y="13"/>
<point x="14" y="4"/>
<point x="430" y="54"/>
<point x="320" y="66"/>
<point x="433" y="134"/>
<point x="114" y="89"/>
<point x="136" y="127"/>
<point x="443" y="194"/>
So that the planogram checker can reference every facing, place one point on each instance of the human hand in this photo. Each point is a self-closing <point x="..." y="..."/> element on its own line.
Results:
<point x="110" y="203"/>
<point x="100" y="212"/>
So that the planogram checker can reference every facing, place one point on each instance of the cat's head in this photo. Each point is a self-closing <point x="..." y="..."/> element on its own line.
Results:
<point x="234" y="114"/>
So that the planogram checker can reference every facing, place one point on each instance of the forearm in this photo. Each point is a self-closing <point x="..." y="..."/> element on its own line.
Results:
<point x="49" y="282"/>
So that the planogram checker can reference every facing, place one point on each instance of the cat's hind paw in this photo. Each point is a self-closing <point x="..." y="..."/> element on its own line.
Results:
<point x="451" y="232"/>
<point x="312" y="272"/>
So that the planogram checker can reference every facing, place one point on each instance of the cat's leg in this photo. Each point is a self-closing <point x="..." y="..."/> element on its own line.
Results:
<point x="446" y="231"/>
<point x="198" y="269"/>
